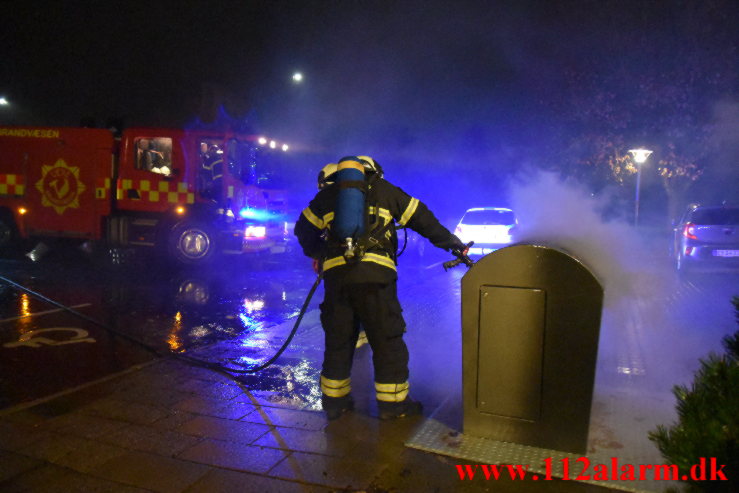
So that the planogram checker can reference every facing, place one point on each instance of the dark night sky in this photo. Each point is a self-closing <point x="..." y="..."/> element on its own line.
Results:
<point x="419" y="81"/>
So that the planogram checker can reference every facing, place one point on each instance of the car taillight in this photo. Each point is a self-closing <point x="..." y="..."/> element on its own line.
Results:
<point x="689" y="231"/>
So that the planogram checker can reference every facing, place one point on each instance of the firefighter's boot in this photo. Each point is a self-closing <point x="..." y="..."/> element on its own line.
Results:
<point x="394" y="410"/>
<point x="334" y="407"/>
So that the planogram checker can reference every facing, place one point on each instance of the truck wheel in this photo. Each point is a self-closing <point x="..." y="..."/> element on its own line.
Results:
<point x="192" y="243"/>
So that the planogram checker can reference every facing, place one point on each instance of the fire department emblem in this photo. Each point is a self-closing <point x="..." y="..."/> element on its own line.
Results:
<point x="60" y="186"/>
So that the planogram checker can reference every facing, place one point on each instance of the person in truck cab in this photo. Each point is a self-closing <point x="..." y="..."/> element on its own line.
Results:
<point x="147" y="157"/>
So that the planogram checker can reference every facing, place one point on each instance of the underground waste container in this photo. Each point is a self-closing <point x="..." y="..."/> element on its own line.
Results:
<point x="530" y="325"/>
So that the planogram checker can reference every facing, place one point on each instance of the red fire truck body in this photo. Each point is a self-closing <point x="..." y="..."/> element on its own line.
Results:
<point x="190" y="193"/>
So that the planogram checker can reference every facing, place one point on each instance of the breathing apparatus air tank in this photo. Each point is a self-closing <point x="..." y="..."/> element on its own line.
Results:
<point x="348" y="222"/>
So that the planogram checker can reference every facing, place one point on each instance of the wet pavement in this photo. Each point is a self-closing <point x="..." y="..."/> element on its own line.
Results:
<point x="109" y="415"/>
<point x="61" y="326"/>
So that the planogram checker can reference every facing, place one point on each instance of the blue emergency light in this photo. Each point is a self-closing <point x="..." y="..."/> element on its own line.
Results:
<point x="256" y="214"/>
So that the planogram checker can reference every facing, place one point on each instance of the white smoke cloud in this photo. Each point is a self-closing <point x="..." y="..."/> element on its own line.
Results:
<point x="564" y="215"/>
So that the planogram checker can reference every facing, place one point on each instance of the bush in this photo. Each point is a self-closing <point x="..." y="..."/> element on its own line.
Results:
<point x="708" y="419"/>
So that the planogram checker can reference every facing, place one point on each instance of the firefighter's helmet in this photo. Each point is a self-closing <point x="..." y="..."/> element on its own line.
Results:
<point x="370" y="165"/>
<point x="327" y="175"/>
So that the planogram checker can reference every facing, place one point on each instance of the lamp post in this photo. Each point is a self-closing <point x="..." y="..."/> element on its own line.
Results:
<point x="640" y="157"/>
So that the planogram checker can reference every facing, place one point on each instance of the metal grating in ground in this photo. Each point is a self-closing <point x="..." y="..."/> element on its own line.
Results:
<point x="434" y="436"/>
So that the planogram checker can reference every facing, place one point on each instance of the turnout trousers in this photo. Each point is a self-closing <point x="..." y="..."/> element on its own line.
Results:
<point x="376" y="308"/>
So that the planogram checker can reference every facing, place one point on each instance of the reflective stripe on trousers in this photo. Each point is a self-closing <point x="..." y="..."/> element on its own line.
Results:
<point x="335" y="388"/>
<point x="391" y="392"/>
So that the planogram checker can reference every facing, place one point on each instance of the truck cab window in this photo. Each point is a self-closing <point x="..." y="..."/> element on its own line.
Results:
<point x="270" y="169"/>
<point x="242" y="161"/>
<point x="154" y="155"/>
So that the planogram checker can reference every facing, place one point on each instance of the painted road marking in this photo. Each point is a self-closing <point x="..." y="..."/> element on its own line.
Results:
<point x="29" y="338"/>
<point x="46" y="312"/>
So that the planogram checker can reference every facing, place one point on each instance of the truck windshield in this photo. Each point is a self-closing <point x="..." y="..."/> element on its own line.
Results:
<point x="255" y="166"/>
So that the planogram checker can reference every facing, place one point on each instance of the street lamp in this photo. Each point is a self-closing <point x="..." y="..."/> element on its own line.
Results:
<point x="297" y="77"/>
<point x="640" y="157"/>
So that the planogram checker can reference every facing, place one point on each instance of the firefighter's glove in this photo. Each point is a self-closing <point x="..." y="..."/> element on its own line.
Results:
<point x="458" y="248"/>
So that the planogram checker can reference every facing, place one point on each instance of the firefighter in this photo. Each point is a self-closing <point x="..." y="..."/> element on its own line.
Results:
<point x="211" y="171"/>
<point x="360" y="281"/>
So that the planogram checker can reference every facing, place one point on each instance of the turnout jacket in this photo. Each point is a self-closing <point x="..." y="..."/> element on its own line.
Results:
<point x="387" y="203"/>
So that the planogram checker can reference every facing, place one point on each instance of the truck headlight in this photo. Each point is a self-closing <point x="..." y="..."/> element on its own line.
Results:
<point x="255" y="232"/>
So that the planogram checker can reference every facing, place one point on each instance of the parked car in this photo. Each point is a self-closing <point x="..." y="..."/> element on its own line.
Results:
<point x="706" y="238"/>
<point x="489" y="227"/>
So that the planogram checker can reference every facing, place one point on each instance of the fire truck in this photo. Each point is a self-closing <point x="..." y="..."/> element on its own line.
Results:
<point x="190" y="194"/>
